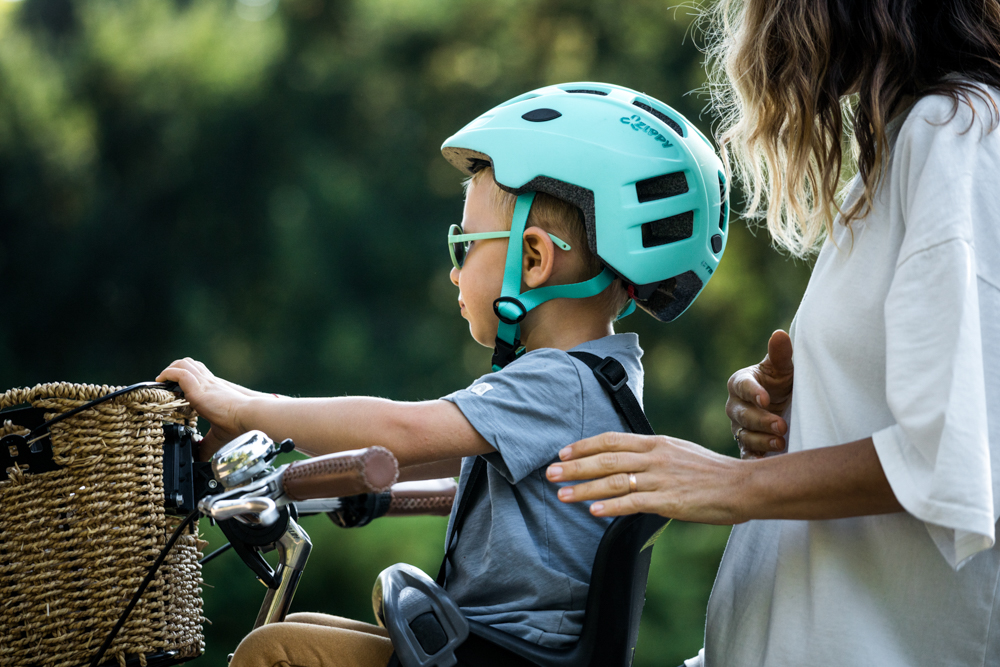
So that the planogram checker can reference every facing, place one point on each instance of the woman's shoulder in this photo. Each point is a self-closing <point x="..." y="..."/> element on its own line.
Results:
<point x="975" y="112"/>
<point x="943" y="172"/>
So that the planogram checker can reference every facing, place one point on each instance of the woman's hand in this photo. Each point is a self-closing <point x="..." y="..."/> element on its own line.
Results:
<point x="217" y="400"/>
<point x="758" y="396"/>
<point x="672" y="477"/>
<point x="682" y="480"/>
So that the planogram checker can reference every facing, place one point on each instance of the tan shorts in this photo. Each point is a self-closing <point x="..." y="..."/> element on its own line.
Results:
<point x="314" y="640"/>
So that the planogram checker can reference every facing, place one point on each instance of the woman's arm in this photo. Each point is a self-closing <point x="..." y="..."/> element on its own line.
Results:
<point x="685" y="481"/>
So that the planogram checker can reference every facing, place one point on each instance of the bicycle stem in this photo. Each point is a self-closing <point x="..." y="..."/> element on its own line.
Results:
<point x="293" y="552"/>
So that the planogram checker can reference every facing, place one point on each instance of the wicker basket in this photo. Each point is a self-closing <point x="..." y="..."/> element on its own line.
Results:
<point x="76" y="542"/>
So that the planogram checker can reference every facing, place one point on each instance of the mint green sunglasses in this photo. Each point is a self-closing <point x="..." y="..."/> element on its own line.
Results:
<point x="458" y="243"/>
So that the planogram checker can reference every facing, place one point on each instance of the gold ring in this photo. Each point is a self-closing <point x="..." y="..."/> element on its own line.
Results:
<point x="633" y="485"/>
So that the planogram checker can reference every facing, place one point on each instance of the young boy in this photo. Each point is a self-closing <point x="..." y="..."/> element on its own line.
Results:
<point x="582" y="197"/>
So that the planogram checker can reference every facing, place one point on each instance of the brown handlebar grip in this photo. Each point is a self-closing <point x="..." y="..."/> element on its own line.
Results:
<point x="412" y="500"/>
<point x="342" y="474"/>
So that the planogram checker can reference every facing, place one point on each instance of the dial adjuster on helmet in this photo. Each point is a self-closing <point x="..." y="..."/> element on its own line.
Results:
<point x="507" y="307"/>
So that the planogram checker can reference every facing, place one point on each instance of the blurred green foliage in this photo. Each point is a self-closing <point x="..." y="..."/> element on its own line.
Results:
<point x="258" y="185"/>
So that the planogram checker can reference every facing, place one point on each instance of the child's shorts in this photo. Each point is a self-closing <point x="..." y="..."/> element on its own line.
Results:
<point x="314" y="640"/>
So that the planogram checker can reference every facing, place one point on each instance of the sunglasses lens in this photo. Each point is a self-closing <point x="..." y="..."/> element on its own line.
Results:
<point x="458" y="250"/>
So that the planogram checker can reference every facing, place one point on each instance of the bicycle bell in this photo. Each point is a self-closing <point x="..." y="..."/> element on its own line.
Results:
<point x="243" y="458"/>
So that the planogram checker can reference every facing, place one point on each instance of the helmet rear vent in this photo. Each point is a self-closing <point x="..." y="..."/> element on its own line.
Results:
<point x="588" y="92"/>
<point x="668" y="230"/>
<point x="673" y="124"/>
<point x="722" y="195"/>
<point x="661" y="187"/>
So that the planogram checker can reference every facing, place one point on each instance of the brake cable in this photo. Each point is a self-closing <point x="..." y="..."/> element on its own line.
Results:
<point x="169" y="386"/>
<point x="142" y="587"/>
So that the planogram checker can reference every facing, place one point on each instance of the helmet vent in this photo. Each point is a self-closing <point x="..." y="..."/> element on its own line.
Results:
<point x="588" y="92"/>
<point x="520" y="98"/>
<point x="661" y="187"/>
<point x="477" y="164"/>
<point x="668" y="230"/>
<point x="673" y="124"/>
<point x="722" y="196"/>
<point x="541" y="115"/>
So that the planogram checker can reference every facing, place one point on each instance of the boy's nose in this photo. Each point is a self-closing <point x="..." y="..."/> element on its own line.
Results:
<point x="454" y="276"/>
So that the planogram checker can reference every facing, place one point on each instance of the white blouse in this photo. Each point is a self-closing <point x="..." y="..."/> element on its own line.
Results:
<point x="898" y="338"/>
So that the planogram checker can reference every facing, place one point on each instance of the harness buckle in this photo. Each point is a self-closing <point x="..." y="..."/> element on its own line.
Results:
<point x="611" y="374"/>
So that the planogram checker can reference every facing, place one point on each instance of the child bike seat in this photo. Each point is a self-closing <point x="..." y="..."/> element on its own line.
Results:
<point x="424" y="623"/>
<point x="614" y="607"/>
<point x="617" y="583"/>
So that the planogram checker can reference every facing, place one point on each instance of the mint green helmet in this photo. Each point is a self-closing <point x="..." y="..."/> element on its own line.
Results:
<point x="650" y="185"/>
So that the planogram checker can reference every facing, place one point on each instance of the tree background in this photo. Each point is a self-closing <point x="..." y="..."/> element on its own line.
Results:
<point x="258" y="185"/>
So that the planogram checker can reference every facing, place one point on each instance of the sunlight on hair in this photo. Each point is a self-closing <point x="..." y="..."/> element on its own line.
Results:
<point x="803" y="109"/>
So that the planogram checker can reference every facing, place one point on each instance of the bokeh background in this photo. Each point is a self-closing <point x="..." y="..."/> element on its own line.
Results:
<point x="257" y="184"/>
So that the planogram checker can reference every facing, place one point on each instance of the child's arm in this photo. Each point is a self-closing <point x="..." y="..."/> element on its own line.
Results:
<point x="417" y="433"/>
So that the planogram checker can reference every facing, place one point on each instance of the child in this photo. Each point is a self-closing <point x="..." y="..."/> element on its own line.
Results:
<point x="609" y="196"/>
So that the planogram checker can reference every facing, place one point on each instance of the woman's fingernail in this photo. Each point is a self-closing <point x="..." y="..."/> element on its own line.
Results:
<point x="566" y="493"/>
<point x="597" y="508"/>
<point x="565" y="453"/>
<point x="555" y="472"/>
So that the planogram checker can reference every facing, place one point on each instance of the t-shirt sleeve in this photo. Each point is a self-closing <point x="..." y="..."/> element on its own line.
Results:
<point x="937" y="455"/>
<point x="528" y="411"/>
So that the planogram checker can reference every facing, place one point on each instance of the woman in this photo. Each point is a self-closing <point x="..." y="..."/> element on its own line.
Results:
<point x="872" y="540"/>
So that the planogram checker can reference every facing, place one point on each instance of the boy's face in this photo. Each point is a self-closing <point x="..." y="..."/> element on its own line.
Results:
<point x="480" y="279"/>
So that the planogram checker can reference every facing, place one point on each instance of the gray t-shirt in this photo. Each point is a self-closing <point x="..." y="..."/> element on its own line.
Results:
<point x="523" y="559"/>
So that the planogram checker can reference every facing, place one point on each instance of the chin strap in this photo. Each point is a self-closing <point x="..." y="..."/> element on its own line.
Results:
<point x="512" y="306"/>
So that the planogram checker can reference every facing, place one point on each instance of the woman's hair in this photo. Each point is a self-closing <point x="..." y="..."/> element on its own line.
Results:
<point x="800" y="82"/>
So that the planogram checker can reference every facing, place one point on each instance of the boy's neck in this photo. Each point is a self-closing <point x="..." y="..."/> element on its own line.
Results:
<point x="563" y="324"/>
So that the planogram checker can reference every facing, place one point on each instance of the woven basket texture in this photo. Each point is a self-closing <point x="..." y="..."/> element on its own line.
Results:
<point x="75" y="543"/>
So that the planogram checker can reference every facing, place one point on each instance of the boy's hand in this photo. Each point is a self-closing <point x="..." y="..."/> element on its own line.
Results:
<point x="217" y="400"/>
<point x="758" y="396"/>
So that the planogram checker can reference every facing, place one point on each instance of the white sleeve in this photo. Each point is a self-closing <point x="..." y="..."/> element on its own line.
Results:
<point x="937" y="455"/>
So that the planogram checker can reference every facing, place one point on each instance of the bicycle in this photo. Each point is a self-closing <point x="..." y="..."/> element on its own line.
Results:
<point x="257" y="507"/>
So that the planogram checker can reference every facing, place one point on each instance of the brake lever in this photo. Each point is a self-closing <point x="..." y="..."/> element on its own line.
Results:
<point x="265" y="493"/>
<point x="263" y="507"/>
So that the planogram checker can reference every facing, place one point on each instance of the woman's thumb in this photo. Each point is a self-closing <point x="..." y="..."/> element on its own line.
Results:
<point x="779" y="352"/>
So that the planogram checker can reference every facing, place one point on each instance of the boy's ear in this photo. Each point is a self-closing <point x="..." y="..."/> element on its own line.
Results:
<point x="538" y="259"/>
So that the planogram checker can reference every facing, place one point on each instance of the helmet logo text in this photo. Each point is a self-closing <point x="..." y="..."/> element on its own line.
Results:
<point x="639" y="126"/>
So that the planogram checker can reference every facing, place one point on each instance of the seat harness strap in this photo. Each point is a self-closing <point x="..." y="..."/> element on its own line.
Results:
<point x="614" y="378"/>
<point x="463" y="505"/>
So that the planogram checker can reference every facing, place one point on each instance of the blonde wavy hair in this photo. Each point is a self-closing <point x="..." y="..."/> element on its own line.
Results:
<point x="805" y="89"/>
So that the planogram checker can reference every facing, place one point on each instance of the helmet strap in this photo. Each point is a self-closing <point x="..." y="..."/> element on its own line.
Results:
<point x="507" y="346"/>
<point x="627" y="310"/>
<point x="513" y="306"/>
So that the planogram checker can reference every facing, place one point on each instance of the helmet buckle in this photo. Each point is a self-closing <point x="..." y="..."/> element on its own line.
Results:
<point x="504" y="353"/>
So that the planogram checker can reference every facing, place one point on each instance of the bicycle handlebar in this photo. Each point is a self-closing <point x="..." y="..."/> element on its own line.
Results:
<point x="371" y="470"/>
<point x="430" y="497"/>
